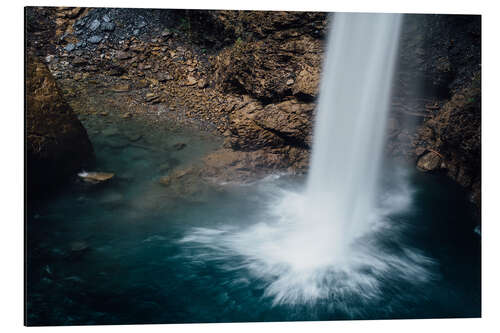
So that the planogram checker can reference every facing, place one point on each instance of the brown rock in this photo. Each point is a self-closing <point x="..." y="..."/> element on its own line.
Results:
<point x="57" y="143"/>
<point x="307" y="82"/>
<point x="121" y="88"/>
<point x="122" y="55"/>
<point x="429" y="162"/>
<point x="202" y="83"/>
<point x="95" y="177"/>
<point x="191" y="80"/>
<point x="79" y="61"/>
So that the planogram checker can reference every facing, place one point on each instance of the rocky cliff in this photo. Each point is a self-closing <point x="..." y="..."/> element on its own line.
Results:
<point x="440" y="80"/>
<point x="253" y="78"/>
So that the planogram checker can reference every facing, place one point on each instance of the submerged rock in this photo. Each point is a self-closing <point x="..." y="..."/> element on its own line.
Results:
<point x="78" y="249"/>
<point x="179" y="146"/>
<point x="110" y="131"/>
<point x="95" y="177"/>
<point x="112" y="198"/>
<point x="188" y="183"/>
<point x="79" y="246"/>
<point x="134" y="137"/>
<point x="118" y="142"/>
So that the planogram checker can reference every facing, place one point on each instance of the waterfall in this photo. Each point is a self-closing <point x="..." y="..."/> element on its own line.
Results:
<point x="329" y="240"/>
<point x="351" y="118"/>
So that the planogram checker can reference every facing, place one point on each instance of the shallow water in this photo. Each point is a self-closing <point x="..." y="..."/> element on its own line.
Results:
<point x="141" y="254"/>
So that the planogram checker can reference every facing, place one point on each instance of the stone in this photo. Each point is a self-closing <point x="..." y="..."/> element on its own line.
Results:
<point x="95" y="39"/>
<point x="162" y="77"/>
<point x="94" y="25"/>
<point x="106" y="18"/>
<point x="79" y="61"/>
<point x="202" y="83"/>
<point x="122" y="55"/>
<point x="307" y="81"/>
<point x="74" y="12"/>
<point x="57" y="144"/>
<point x="121" y="88"/>
<point x="49" y="58"/>
<point x="190" y="80"/>
<point x="153" y="98"/>
<point x="79" y="23"/>
<point x="107" y="26"/>
<point x="95" y="177"/>
<point x="70" y="47"/>
<point x="429" y="162"/>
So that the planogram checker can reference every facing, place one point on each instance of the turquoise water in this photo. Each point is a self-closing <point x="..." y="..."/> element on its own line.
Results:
<point x="113" y="253"/>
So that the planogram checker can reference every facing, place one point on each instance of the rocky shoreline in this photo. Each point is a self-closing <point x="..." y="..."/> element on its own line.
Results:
<point x="252" y="78"/>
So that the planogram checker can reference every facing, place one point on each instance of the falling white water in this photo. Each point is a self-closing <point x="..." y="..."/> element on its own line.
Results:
<point x="322" y="242"/>
<point x="351" y="120"/>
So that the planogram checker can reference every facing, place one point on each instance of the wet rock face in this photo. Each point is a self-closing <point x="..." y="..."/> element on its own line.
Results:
<point x="437" y="97"/>
<point x="57" y="143"/>
<point x="455" y="132"/>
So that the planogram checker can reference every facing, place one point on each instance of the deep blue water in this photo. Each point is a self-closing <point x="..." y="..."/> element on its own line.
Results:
<point x="132" y="268"/>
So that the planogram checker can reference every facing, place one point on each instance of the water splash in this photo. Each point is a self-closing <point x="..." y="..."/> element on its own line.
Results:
<point x="333" y="240"/>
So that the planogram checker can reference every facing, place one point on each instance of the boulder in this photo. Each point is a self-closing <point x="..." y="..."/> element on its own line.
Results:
<point x="429" y="162"/>
<point x="57" y="145"/>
